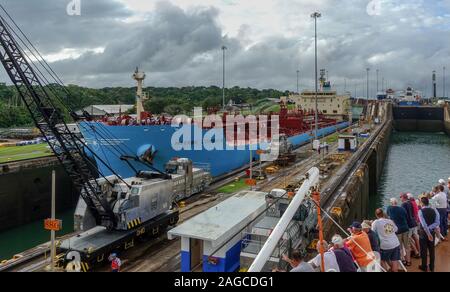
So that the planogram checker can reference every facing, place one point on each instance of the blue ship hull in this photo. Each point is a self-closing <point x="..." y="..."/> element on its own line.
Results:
<point x="409" y="103"/>
<point x="134" y="140"/>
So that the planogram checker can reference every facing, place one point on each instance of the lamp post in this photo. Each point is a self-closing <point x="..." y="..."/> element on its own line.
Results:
<point x="368" y="70"/>
<point x="444" y="83"/>
<point x="316" y="15"/>
<point x="434" y="85"/>
<point x="378" y="71"/>
<point x="298" y="77"/>
<point x="223" y="75"/>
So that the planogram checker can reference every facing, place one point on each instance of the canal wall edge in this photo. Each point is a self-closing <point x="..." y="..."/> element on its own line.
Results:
<point x="352" y="204"/>
<point x="25" y="192"/>
<point x="447" y="119"/>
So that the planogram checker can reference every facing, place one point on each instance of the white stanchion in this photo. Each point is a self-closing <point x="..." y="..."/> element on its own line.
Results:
<point x="277" y="233"/>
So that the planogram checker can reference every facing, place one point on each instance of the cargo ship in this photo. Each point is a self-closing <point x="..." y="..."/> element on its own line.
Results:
<point x="413" y="112"/>
<point x="410" y="97"/>
<point x="146" y="138"/>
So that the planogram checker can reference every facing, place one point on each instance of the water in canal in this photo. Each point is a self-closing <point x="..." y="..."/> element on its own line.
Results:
<point x="22" y="238"/>
<point x="415" y="162"/>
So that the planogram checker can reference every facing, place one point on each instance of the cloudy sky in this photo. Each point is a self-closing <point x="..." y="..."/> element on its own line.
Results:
<point x="177" y="42"/>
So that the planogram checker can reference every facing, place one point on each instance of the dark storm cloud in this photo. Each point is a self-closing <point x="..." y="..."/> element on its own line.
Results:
<point x="179" y="47"/>
<point x="169" y="40"/>
<point x="165" y="43"/>
<point x="49" y="26"/>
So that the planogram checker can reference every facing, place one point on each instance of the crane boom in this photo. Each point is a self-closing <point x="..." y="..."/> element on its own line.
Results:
<point x="48" y="118"/>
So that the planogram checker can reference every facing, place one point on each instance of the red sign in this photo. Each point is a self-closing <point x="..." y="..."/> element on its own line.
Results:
<point x="53" y="225"/>
<point x="250" y="182"/>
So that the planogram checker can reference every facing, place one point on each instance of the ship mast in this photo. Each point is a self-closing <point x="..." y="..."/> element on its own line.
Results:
<point x="139" y="77"/>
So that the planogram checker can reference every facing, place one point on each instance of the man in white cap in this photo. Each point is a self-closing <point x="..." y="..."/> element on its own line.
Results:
<point x="343" y="255"/>
<point x="443" y="183"/>
<point x="440" y="201"/>
<point x="400" y="218"/>
<point x="330" y="262"/>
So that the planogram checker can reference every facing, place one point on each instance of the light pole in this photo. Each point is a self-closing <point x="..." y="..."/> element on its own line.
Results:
<point x="53" y="235"/>
<point x="444" y="83"/>
<point x="378" y="71"/>
<point x="368" y="70"/>
<point x="223" y="75"/>
<point x="434" y="85"/>
<point x="316" y="15"/>
<point x="298" y="77"/>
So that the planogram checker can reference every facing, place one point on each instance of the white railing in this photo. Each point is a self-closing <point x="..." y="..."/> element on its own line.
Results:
<point x="277" y="233"/>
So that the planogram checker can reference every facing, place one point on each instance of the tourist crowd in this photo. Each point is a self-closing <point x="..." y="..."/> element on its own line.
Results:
<point x="408" y="228"/>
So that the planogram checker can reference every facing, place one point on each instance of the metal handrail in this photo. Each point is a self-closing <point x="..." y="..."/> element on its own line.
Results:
<point x="280" y="228"/>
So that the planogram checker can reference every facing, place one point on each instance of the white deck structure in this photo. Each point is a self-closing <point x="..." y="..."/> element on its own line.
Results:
<point x="218" y="230"/>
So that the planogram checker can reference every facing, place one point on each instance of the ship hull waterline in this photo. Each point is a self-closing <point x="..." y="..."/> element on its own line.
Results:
<point x="106" y="141"/>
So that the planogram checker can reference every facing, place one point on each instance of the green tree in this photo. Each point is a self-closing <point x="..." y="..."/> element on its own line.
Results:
<point x="174" y="109"/>
<point x="171" y="99"/>
<point x="156" y="105"/>
<point x="212" y="102"/>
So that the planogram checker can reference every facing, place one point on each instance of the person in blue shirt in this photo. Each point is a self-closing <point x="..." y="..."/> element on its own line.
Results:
<point x="412" y="224"/>
<point x="400" y="218"/>
<point x="373" y="236"/>
<point x="429" y="223"/>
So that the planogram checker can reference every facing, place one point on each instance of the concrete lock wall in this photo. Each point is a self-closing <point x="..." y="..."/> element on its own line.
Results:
<point x="380" y="150"/>
<point x="422" y="119"/>
<point x="25" y="193"/>
<point x="447" y="119"/>
<point x="353" y="203"/>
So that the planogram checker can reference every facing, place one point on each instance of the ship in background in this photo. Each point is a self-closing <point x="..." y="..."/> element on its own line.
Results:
<point x="410" y="97"/>
<point x="415" y="112"/>
<point x="146" y="138"/>
<point x="407" y="97"/>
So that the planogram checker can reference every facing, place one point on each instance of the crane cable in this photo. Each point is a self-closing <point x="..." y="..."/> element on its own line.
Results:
<point x="41" y="60"/>
<point x="48" y="86"/>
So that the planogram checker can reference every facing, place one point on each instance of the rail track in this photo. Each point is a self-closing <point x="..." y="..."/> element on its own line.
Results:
<point x="342" y="177"/>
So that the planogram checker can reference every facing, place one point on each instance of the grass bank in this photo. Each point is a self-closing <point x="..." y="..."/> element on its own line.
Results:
<point x="16" y="153"/>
